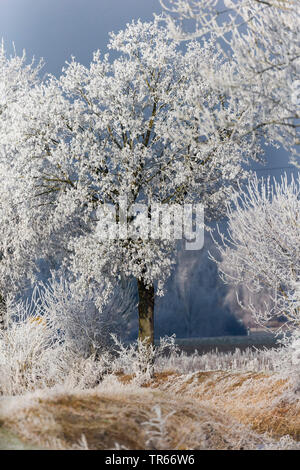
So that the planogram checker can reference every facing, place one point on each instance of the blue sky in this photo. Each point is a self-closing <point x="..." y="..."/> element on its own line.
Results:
<point x="57" y="29"/>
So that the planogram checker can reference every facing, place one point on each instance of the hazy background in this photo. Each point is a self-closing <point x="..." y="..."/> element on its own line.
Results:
<point x="57" y="29"/>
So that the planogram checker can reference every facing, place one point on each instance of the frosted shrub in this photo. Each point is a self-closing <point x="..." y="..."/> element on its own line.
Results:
<point x="139" y="358"/>
<point x="30" y="354"/>
<point x="136" y="358"/>
<point x="86" y="373"/>
<point x="58" y="338"/>
<point x="84" y="328"/>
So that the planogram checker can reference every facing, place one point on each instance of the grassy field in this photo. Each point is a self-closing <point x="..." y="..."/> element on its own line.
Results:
<point x="233" y="398"/>
<point x="204" y="410"/>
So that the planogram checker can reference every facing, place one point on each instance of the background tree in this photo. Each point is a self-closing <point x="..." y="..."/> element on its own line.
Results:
<point x="155" y="125"/>
<point x="262" y="248"/>
<point x="263" y="39"/>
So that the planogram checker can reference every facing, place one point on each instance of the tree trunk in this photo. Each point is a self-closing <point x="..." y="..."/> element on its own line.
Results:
<point x="146" y="312"/>
<point x="2" y="312"/>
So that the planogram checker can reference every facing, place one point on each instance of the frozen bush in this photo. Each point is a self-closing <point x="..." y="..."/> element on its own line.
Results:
<point x="59" y="337"/>
<point x="81" y="326"/>
<point x="31" y="356"/>
<point x="138" y="358"/>
<point x="84" y="328"/>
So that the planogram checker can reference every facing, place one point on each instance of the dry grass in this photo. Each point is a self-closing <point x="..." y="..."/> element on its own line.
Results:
<point x="204" y="410"/>
<point x="120" y="416"/>
<point x="260" y="400"/>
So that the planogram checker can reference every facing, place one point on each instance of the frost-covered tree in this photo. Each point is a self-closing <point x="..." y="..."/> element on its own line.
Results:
<point x="152" y="126"/>
<point x="262" y="37"/>
<point x="17" y="78"/>
<point x="262" y="248"/>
